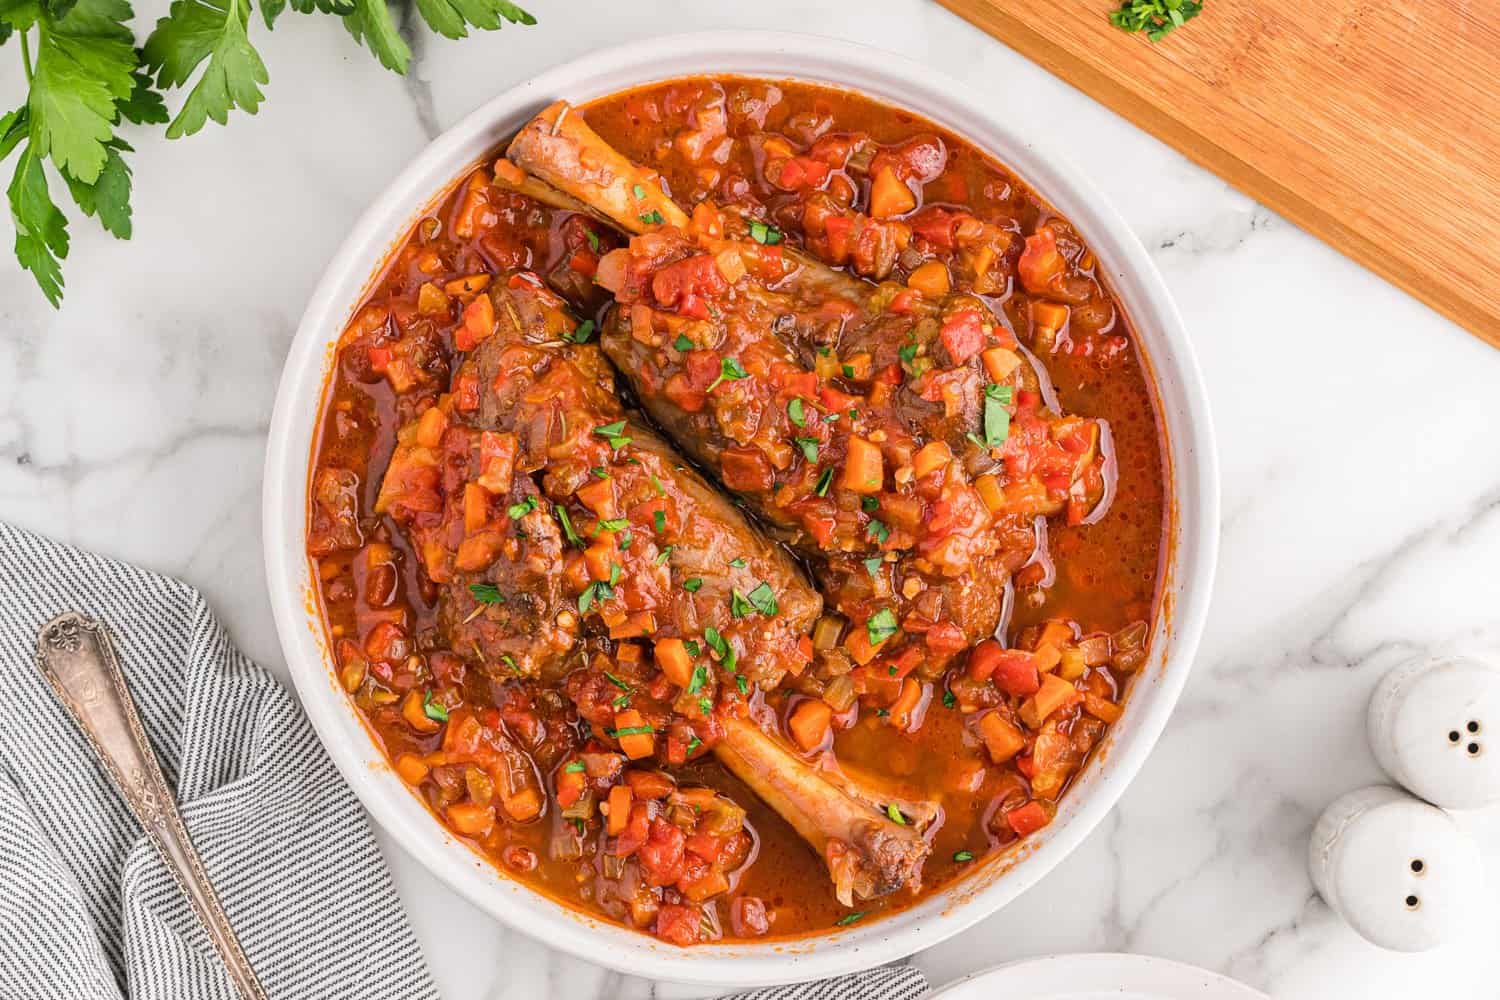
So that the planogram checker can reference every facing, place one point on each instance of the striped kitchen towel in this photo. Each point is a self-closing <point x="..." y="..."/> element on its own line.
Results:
<point x="88" y="910"/>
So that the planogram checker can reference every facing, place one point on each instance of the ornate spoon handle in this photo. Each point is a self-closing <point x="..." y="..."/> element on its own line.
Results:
<point x="76" y="656"/>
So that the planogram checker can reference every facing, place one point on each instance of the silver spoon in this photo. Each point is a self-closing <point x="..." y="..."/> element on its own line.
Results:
<point x="76" y="656"/>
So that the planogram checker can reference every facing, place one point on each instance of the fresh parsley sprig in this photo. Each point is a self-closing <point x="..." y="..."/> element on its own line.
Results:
<point x="85" y="80"/>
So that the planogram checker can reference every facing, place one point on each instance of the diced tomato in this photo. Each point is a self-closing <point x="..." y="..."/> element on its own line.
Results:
<point x="678" y="924"/>
<point x="936" y="226"/>
<point x="479" y="324"/>
<point x="684" y="286"/>
<point x="963" y="335"/>
<point x="838" y="402"/>
<point x="1013" y="670"/>
<point x="706" y="846"/>
<point x="466" y="392"/>
<point x="1040" y="262"/>
<point x="661" y="854"/>
<point x="1028" y="819"/>
<point x="497" y="459"/>
<point x="902" y="302"/>
<point x="680" y="391"/>
<point x="839" y="230"/>
<point x="801" y="173"/>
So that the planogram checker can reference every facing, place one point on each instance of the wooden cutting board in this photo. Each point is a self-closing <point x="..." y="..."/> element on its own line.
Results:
<point x="1373" y="124"/>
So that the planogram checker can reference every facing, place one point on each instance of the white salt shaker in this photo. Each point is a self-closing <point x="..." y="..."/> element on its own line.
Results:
<point x="1430" y="725"/>
<point x="1398" y="870"/>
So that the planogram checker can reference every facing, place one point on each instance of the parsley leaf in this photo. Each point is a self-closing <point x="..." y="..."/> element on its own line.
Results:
<point x="582" y="333"/>
<point x="996" y="416"/>
<point x="795" y="411"/>
<point x="682" y="343"/>
<point x="962" y="856"/>
<point x="764" y="234"/>
<point x="615" y="432"/>
<point x="85" y="62"/>
<point x="520" y="510"/>
<point x="764" y="599"/>
<point x="809" y="446"/>
<point x="720" y="645"/>
<point x="431" y="709"/>
<point x="881" y="626"/>
<point x="451" y="18"/>
<point x="823" y="481"/>
<point x="214" y="30"/>
<point x="872" y="566"/>
<point x="41" y="230"/>
<point x="486" y="593"/>
<point x="739" y="606"/>
<point x="848" y="918"/>
<point x="692" y="584"/>
<point x="567" y="524"/>
<point x="730" y="369"/>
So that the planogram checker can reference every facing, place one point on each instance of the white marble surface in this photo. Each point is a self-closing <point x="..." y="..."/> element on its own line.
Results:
<point x="1361" y="476"/>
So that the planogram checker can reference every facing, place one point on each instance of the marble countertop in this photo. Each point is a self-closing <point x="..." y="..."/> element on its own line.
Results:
<point x="1361" y="476"/>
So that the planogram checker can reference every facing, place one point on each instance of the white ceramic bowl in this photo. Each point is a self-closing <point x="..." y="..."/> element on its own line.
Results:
<point x="1190" y="554"/>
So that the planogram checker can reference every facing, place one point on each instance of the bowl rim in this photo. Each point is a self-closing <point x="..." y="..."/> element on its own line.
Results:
<point x="1189" y="563"/>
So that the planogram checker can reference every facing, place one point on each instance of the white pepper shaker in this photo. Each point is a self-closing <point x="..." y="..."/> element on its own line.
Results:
<point x="1430" y="723"/>
<point x="1398" y="870"/>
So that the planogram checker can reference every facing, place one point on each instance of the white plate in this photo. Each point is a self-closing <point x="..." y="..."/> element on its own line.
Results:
<point x="1097" y="977"/>
<point x="1188" y="560"/>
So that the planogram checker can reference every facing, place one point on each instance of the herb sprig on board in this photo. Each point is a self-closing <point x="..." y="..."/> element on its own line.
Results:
<point x="85" y="80"/>
<point x="1157" y="18"/>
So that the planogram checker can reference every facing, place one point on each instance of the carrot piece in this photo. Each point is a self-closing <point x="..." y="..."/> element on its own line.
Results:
<point x="1001" y="737"/>
<point x="906" y="702"/>
<point x="412" y="711"/>
<point x="1101" y="708"/>
<point x="479" y="324"/>
<point x="889" y="195"/>
<point x="1049" y="314"/>
<point x="411" y="768"/>
<point x="639" y="741"/>
<point x="1055" y="633"/>
<point x="599" y="497"/>
<point x="430" y="427"/>
<point x="864" y="470"/>
<point x="476" y="507"/>
<point x="523" y="805"/>
<point x="931" y="279"/>
<point x="619" y="809"/>
<point x="999" y="362"/>
<point x="1047" y="657"/>
<point x="991" y="492"/>
<point x="934" y="456"/>
<point x="600" y="556"/>
<point x="471" y="819"/>
<point x="569" y="787"/>
<point x="469" y="284"/>
<point x="673" y="659"/>
<point x="809" y="723"/>
<point x="650" y="784"/>
<point x="1055" y="693"/>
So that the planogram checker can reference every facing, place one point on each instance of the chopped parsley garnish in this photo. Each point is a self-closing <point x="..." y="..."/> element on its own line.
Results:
<point x="795" y="410"/>
<point x="659" y="521"/>
<point x="848" y="918"/>
<point x="486" y="593"/>
<point x="598" y="591"/>
<point x="631" y="731"/>
<point x="962" y="856"/>
<point x="664" y="555"/>
<point x="599" y="472"/>
<point x="573" y="767"/>
<point x="848" y="370"/>
<point x="692" y="583"/>
<point x="908" y="353"/>
<point x="830" y="418"/>
<point x="700" y="677"/>
<point x="731" y="370"/>
<point x="611" y="524"/>
<point x="431" y="709"/>
<point x="694" y="744"/>
<point x="895" y="814"/>
<point x="509" y="662"/>
<point x="621" y="701"/>
<point x="869" y="504"/>
<point x="764" y="234"/>
<point x="948" y="700"/>
<point x="706" y="706"/>
<point x="617" y="682"/>
<point x="1157" y="18"/>
<point x="823" y="481"/>
<point x="872" y="566"/>
<point x="741" y="683"/>
<point x="593" y="239"/>
<point x="614" y="574"/>
<point x="879" y="531"/>
<point x="691" y="645"/>
<point x="661" y="490"/>
<point x="567" y="524"/>
<point x="582" y="332"/>
<point x="682" y="343"/>
<point x="881" y="626"/>
<point x="809" y="446"/>
<point x="720" y="645"/>
<point x="739" y="604"/>
<point x="626" y="538"/>
<point x="996" y="416"/>
<point x="614" y="432"/>
<point x="639" y="192"/>
<point x="520" y="510"/>
<point x="652" y="218"/>
<point x="764" y="599"/>
<point x="738" y="563"/>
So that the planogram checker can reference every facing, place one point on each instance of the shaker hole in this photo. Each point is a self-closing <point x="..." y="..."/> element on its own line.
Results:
<point x="1417" y="866"/>
<point x="1473" y="726"/>
<point x="1473" y="749"/>
<point x="1412" y="902"/>
<point x="1454" y="736"/>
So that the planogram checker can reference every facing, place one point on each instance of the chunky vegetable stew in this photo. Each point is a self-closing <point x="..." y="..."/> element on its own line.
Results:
<point x="738" y="508"/>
